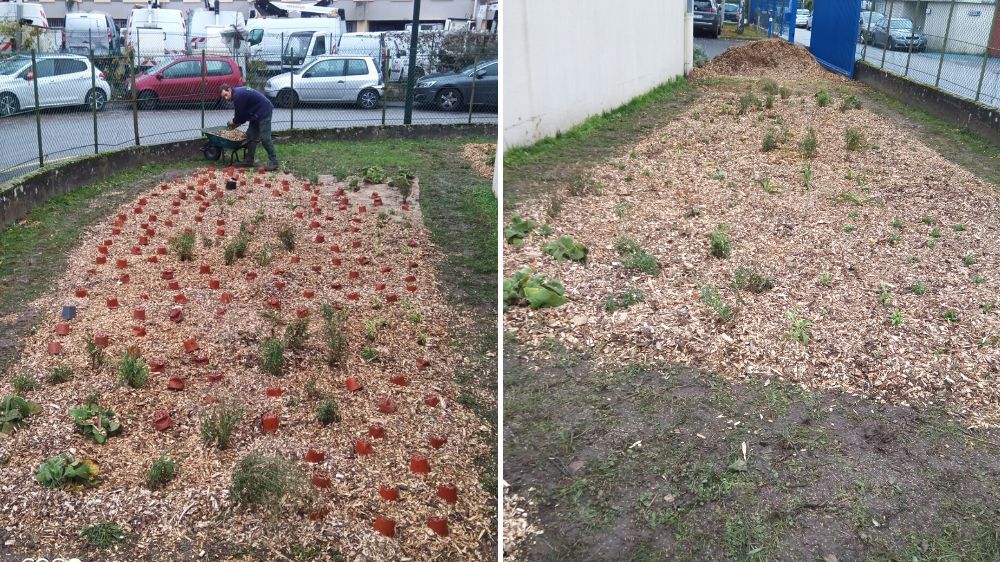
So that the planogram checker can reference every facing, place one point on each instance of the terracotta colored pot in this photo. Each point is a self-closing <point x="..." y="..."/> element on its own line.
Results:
<point x="226" y="298"/>
<point x="201" y="360"/>
<point x="101" y="260"/>
<point x="190" y="345"/>
<point x="81" y="293"/>
<point x="335" y="248"/>
<point x="353" y="296"/>
<point x="336" y="286"/>
<point x="432" y="400"/>
<point x="180" y="298"/>
<point x="448" y="492"/>
<point x="277" y="271"/>
<point x="116" y="231"/>
<point x="139" y="313"/>
<point x="320" y="239"/>
<point x="279" y="284"/>
<point x="62" y="329"/>
<point x="386" y="405"/>
<point x="251" y="275"/>
<point x="138" y="331"/>
<point x="55" y="348"/>
<point x="308" y="294"/>
<point x="354" y="275"/>
<point x="353" y="384"/>
<point x="175" y="211"/>
<point x="391" y="297"/>
<point x="389" y="494"/>
<point x="112" y="302"/>
<point x="398" y="380"/>
<point x="214" y="377"/>
<point x="385" y="526"/>
<point x="438" y="524"/>
<point x="204" y="269"/>
<point x="219" y="311"/>
<point x="362" y="447"/>
<point x="220" y="232"/>
<point x="166" y="274"/>
<point x="175" y="382"/>
<point x="162" y="420"/>
<point x="419" y="464"/>
<point x="269" y="422"/>
<point x="102" y="340"/>
<point x="423" y="363"/>
<point x="321" y="480"/>
<point x="213" y="283"/>
<point x="274" y="303"/>
<point x="173" y="285"/>
<point x="436" y="441"/>
<point x="379" y="286"/>
<point x="317" y="268"/>
<point x="314" y="456"/>
<point x="376" y="431"/>
<point x="362" y="209"/>
<point x="335" y="262"/>
<point x="411" y="288"/>
<point x="300" y="214"/>
<point x="151" y="217"/>
<point x="273" y="391"/>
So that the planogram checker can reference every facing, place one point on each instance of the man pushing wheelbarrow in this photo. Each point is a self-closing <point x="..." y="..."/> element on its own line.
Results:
<point x="252" y="106"/>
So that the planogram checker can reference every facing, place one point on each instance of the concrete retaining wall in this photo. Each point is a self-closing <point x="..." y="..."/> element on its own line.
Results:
<point x="18" y="197"/>
<point x="963" y="113"/>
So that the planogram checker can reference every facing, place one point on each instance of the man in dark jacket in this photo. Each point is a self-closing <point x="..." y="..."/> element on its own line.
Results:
<point x="252" y="106"/>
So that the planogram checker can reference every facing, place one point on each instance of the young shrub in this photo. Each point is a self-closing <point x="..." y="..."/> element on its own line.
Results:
<point x="296" y="333"/>
<point x="785" y="93"/>
<point x="721" y="244"/>
<point x="63" y="470"/>
<point x="334" y="336"/>
<point x="710" y="296"/>
<point x="23" y="382"/>
<point x="751" y="279"/>
<point x="272" y="356"/>
<point x="161" y="472"/>
<point x="265" y="256"/>
<point x="59" y="374"/>
<point x="635" y="257"/>
<point x="809" y="144"/>
<point x="772" y="139"/>
<point x="403" y="184"/>
<point x="565" y="248"/>
<point x="103" y="535"/>
<point x="850" y="102"/>
<point x="769" y="102"/>
<point x="854" y="139"/>
<point x="769" y="86"/>
<point x="132" y="370"/>
<point x="218" y="423"/>
<point x="312" y="389"/>
<point x="96" y="353"/>
<point x="370" y="354"/>
<point x="327" y="412"/>
<point x="265" y="481"/>
<point x="286" y="235"/>
<point x="748" y="101"/>
<point x="823" y="98"/>
<point x="183" y="245"/>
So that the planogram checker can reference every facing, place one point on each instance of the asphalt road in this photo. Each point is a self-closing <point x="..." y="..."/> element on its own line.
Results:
<point x="714" y="47"/>
<point x="71" y="133"/>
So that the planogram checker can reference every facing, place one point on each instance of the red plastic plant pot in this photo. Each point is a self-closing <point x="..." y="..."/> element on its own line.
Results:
<point x="438" y="524"/>
<point x="391" y="297"/>
<point x="143" y="241"/>
<point x="389" y="494"/>
<point x="269" y="422"/>
<point x="336" y="286"/>
<point x="55" y="348"/>
<point x="356" y="244"/>
<point x="151" y="217"/>
<point x="80" y="293"/>
<point x="362" y="447"/>
<point x="274" y="303"/>
<point x="277" y="271"/>
<point x="436" y="441"/>
<point x="279" y="284"/>
<point x="414" y="265"/>
<point x="124" y="279"/>
<point x="448" y="493"/>
<point x="419" y="464"/>
<point x="385" y="526"/>
<point x="376" y="431"/>
<point x="308" y="294"/>
<point x="301" y="312"/>
<point x="363" y="260"/>
<point x="353" y="384"/>
<point x="161" y="251"/>
<point x="226" y="298"/>
<point x="138" y="331"/>
<point x="204" y="269"/>
<point x="386" y="405"/>
<point x="157" y="365"/>
<point x="314" y="456"/>
<point x="213" y="283"/>
<point x="138" y="313"/>
<point x="353" y="275"/>
<point x="152" y="259"/>
<point x="335" y="262"/>
<point x="162" y="420"/>
<point x="180" y="298"/>
<point x="353" y="296"/>
<point x="112" y="302"/>
<point x="116" y="231"/>
<point x="101" y="260"/>
<point x="215" y="377"/>
<point x="190" y="345"/>
<point x="432" y="400"/>
<point x="102" y="340"/>
<point x="62" y="329"/>
<point x="273" y="391"/>
<point x="423" y="363"/>
<point x="176" y="314"/>
<point x="198" y="218"/>
<point x="410" y="279"/>
<point x="300" y="214"/>
<point x="136" y="251"/>
<point x="314" y="224"/>
<point x="295" y="259"/>
<point x="411" y="288"/>
<point x="411" y="243"/>
<point x="166" y="274"/>
<point x="251" y="275"/>
<point x="321" y="480"/>
<point x="175" y="382"/>
<point x="201" y="360"/>
<point x="379" y="286"/>
<point x="173" y="285"/>
<point x="398" y="380"/>
<point x="220" y="232"/>
<point x="362" y="209"/>
<point x="385" y="269"/>
<point x="317" y="268"/>
<point x="320" y="239"/>
<point x="220" y="222"/>
<point x="335" y="248"/>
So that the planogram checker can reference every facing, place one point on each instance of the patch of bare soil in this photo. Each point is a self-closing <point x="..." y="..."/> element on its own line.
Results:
<point x="481" y="157"/>
<point x="205" y="322"/>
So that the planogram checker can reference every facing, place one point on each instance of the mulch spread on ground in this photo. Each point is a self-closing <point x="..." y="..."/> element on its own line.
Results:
<point x="202" y="320"/>
<point x="889" y="261"/>
<point x="481" y="157"/>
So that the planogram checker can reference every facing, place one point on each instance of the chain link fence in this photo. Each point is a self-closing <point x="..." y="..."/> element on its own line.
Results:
<point x="951" y="45"/>
<point x="154" y="88"/>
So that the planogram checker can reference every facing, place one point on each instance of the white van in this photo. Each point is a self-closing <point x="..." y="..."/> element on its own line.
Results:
<point x="199" y="22"/>
<point x="394" y="45"/>
<point x="90" y="30"/>
<point x="269" y="37"/>
<point x="33" y="22"/>
<point x="155" y="35"/>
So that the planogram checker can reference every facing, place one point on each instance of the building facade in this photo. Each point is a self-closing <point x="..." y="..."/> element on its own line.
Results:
<point x="972" y="22"/>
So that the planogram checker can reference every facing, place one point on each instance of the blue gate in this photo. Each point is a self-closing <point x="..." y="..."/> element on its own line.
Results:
<point x="834" y="39"/>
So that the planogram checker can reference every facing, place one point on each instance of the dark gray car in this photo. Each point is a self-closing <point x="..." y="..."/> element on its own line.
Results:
<point x="452" y="91"/>
<point x="707" y="17"/>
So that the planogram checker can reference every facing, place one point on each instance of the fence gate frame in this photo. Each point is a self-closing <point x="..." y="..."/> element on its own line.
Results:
<point x="834" y="38"/>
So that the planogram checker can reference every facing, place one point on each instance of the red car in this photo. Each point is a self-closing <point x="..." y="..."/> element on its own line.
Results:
<point x="179" y="81"/>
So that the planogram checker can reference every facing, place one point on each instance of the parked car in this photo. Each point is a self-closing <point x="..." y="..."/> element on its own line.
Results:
<point x="84" y="31"/>
<point x="898" y="33"/>
<point x="179" y="80"/>
<point x="731" y="12"/>
<point x="329" y="78"/>
<point x="451" y="91"/>
<point x="707" y="17"/>
<point x="63" y="80"/>
<point x="864" y="36"/>
<point x="802" y="17"/>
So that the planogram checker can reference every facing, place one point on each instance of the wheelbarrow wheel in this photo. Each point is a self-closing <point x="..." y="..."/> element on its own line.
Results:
<point x="212" y="152"/>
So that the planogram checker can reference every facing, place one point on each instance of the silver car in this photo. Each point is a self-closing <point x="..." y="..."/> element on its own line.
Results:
<point x="63" y="80"/>
<point x="329" y="78"/>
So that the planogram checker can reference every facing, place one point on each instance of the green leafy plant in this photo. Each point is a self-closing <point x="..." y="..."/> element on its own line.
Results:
<point x="518" y="230"/>
<point x="826" y="279"/>
<point x="95" y="353"/>
<point x="415" y="317"/>
<point x="403" y="184"/>
<point x="854" y="139"/>
<point x="799" y="328"/>
<point x="217" y="424"/>
<point x="720" y="243"/>
<point x="533" y="290"/>
<point x="710" y="296"/>
<point x="59" y="375"/>
<point x="160" y="472"/>
<point x="265" y="255"/>
<point x="622" y="300"/>
<point x="969" y="260"/>
<point x="959" y="227"/>
<point x="769" y="86"/>
<point x="897" y="223"/>
<point x="823" y="98"/>
<point x="95" y="422"/>
<point x="183" y="245"/>
<point x="14" y="410"/>
<point x="63" y="470"/>
<point x="565" y="248"/>
<point x="752" y="279"/>
<point x="237" y="249"/>
<point x="807" y="176"/>
<point x="296" y="333"/>
<point x="23" y="382"/>
<point x="850" y="102"/>
<point x="935" y="233"/>
<point x="896" y="317"/>
<point x="132" y="370"/>
<point x="373" y="174"/>
<point x="369" y="354"/>
<point x="884" y="296"/>
<point x="748" y="101"/>
<point x="328" y="413"/>
<point x="766" y="185"/>
<point x="769" y="102"/>
<point x="772" y="139"/>
<point x="850" y="228"/>
<point x="635" y="257"/>
<point x="950" y="316"/>
<point x="103" y="535"/>
<point x="918" y="288"/>
<point x="267" y="481"/>
<point x="272" y="356"/>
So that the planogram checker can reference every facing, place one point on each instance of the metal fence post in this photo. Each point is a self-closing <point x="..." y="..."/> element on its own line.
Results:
<point x="412" y="64"/>
<point x="203" y="88"/>
<point x="291" y="86"/>
<point x="93" y="91"/>
<point x="866" y="37"/>
<point x="888" y="31"/>
<point x="38" y="115"/>
<point x="986" y="58"/>
<point x="135" y="104"/>
<point x="472" y="93"/>
<point x="944" y="47"/>
<point x="385" y="77"/>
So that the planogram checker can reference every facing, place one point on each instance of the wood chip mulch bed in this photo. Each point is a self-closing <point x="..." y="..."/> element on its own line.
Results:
<point x="481" y="157"/>
<point x="375" y="262"/>
<point x="876" y="226"/>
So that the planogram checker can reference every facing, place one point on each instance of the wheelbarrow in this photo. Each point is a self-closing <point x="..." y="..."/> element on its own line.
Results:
<point x="218" y="145"/>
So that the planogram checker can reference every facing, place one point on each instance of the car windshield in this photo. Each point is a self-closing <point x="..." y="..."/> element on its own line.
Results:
<point x="803" y="12"/>
<point x="467" y="71"/>
<point x="298" y="43"/>
<point x="12" y="65"/>
<point x="900" y="24"/>
<point x="732" y="8"/>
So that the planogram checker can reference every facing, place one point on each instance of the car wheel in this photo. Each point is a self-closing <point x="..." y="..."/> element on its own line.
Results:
<point x="287" y="98"/>
<point x="368" y="99"/>
<point x="96" y="99"/>
<point x="147" y="100"/>
<point x="9" y="105"/>
<point x="448" y="99"/>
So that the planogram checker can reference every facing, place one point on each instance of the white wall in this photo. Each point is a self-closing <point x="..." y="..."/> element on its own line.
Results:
<point x="565" y="60"/>
<point x="968" y="34"/>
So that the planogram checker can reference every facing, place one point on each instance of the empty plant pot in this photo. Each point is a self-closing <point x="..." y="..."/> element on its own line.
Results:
<point x="124" y="279"/>
<point x="161" y="250"/>
<point x="386" y="405"/>
<point x="220" y="222"/>
<point x="432" y="400"/>
<point x="362" y="209"/>
<point x="273" y="391"/>
<point x="136" y="251"/>
<point x="198" y="218"/>
<point x="379" y="286"/>
<point x="102" y="340"/>
<point x="353" y="384"/>
<point x="151" y="217"/>
<point x="314" y="224"/>
<point x="391" y="297"/>
<point x="204" y="269"/>
<point x="301" y="312"/>
<point x="406" y="207"/>
<point x="162" y="420"/>
<point x="138" y="331"/>
<point x="363" y="260"/>
<point x="448" y="493"/>
<point x="100" y="260"/>
<point x="175" y="382"/>
<point x="143" y="241"/>
<point x="213" y="283"/>
<point x="317" y="268"/>
<point x="398" y="380"/>
<point x="314" y="456"/>
<point x="166" y="274"/>
<point x="389" y="494"/>
<point x="321" y="480"/>
<point x="190" y="345"/>
<point x="68" y="312"/>
<point x="410" y="279"/>
<point x="376" y="431"/>
<point x="62" y="329"/>
<point x="176" y="314"/>
<point x="362" y="447"/>
<point x="356" y="244"/>
<point x="269" y="422"/>
<point x="180" y="298"/>
<point x="438" y="524"/>
<point x="419" y="464"/>
<point x="152" y="259"/>
<point x="353" y="296"/>
<point x="220" y="232"/>
<point x="354" y="275"/>
<point x="173" y="285"/>
<point x="385" y="526"/>
<point x="251" y="275"/>
<point x="139" y="313"/>
<point x="436" y="441"/>
<point x="274" y="303"/>
<point x="112" y="302"/>
<point x="423" y="363"/>
<point x="308" y="294"/>
<point x="226" y="298"/>
<point x="201" y="360"/>
<point x="320" y="239"/>
<point x="215" y="377"/>
<point x="80" y="293"/>
<point x="55" y="348"/>
<point x="335" y="248"/>
<point x="336" y="286"/>
<point x="335" y="262"/>
<point x="385" y="269"/>
<point x="295" y="259"/>
<point x="300" y="214"/>
<point x="411" y="288"/>
<point x="279" y="284"/>
<point x="413" y="265"/>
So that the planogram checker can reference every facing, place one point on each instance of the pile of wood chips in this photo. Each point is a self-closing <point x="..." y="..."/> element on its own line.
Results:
<point x="764" y="58"/>
<point x="382" y="251"/>
<point x="481" y="157"/>
<point x="517" y="529"/>
<point x="233" y="135"/>
<point x="848" y="256"/>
